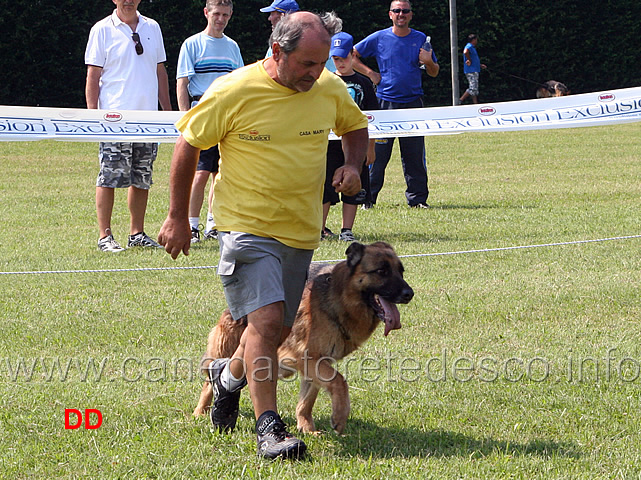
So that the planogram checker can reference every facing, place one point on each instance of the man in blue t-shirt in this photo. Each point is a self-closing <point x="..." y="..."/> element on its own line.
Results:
<point x="471" y="68"/>
<point x="203" y="58"/>
<point x="399" y="54"/>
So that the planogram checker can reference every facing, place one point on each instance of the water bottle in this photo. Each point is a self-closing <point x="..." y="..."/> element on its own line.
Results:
<point x="426" y="46"/>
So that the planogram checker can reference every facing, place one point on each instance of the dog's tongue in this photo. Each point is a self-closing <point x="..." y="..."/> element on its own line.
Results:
<point x="392" y="315"/>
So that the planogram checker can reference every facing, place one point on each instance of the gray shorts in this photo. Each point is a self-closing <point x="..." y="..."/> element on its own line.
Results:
<point x="125" y="164"/>
<point x="258" y="271"/>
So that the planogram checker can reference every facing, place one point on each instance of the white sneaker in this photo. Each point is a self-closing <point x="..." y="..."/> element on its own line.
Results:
<point x="108" y="244"/>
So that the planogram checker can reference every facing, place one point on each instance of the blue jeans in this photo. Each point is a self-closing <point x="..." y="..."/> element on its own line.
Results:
<point x="412" y="159"/>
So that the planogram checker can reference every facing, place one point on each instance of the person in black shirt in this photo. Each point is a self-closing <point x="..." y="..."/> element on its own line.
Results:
<point x="362" y="91"/>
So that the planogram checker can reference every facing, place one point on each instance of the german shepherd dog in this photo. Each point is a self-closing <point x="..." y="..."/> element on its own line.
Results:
<point x="340" y="308"/>
<point x="552" y="88"/>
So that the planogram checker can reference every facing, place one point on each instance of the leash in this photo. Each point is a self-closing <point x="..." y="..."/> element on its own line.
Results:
<point x="520" y="78"/>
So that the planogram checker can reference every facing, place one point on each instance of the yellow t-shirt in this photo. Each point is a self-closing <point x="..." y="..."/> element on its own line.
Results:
<point x="273" y="142"/>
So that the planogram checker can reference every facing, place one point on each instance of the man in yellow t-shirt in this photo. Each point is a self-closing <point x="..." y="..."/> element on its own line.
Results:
<point x="271" y="121"/>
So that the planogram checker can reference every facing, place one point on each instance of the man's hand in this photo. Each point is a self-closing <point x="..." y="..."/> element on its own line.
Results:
<point x="175" y="236"/>
<point x="175" y="233"/>
<point x="375" y="77"/>
<point x="347" y="180"/>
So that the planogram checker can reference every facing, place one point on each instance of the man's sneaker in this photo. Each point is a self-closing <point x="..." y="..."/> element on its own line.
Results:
<point x="211" y="234"/>
<point x="142" y="240"/>
<point x="224" y="411"/>
<point x="274" y="440"/>
<point x="326" y="233"/>
<point x="346" y="235"/>
<point x="108" y="244"/>
<point x="195" y="235"/>
<point x="420" y="205"/>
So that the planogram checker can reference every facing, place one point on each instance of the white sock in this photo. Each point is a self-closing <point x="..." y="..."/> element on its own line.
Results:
<point x="194" y="221"/>
<point x="228" y="380"/>
<point x="210" y="222"/>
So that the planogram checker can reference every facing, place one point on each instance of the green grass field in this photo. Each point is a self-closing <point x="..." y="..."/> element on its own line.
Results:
<point x="510" y="364"/>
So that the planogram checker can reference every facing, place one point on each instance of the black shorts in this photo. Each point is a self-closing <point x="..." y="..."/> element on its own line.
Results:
<point x="209" y="159"/>
<point x="335" y="160"/>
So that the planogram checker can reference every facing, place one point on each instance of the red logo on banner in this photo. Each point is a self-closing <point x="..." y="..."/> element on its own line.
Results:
<point x="487" y="110"/>
<point x="606" y="97"/>
<point x="113" y="116"/>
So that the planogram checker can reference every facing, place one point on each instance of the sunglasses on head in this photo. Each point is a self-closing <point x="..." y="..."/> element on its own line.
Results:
<point x="136" y="38"/>
<point x="399" y="10"/>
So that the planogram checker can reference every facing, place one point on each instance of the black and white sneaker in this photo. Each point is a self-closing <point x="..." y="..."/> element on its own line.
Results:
<point x="420" y="205"/>
<point x="346" y="235"/>
<point x="211" y="234"/>
<point x="109" y="244"/>
<point x="195" y="235"/>
<point x="274" y="440"/>
<point x="326" y="234"/>
<point x="142" y="240"/>
<point x="224" y="411"/>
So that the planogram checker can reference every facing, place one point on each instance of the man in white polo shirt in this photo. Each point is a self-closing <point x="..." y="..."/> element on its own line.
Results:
<point x="125" y="58"/>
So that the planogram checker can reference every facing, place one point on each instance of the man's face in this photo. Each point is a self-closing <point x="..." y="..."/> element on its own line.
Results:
<point x="401" y="20"/>
<point x="127" y="6"/>
<point x="218" y="18"/>
<point x="300" y="69"/>
<point x="274" y="18"/>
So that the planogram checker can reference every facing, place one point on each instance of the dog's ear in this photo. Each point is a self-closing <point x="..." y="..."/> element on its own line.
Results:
<point x="354" y="254"/>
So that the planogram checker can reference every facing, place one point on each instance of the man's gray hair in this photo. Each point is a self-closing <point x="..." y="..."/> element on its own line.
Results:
<point x="290" y="29"/>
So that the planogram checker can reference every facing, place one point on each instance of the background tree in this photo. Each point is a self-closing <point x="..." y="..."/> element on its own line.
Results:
<point x="589" y="46"/>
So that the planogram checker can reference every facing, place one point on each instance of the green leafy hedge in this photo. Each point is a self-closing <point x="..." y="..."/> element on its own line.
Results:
<point x="589" y="46"/>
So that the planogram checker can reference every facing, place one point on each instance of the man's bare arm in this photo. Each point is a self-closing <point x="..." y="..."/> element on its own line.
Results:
<point x="347" y="179"/>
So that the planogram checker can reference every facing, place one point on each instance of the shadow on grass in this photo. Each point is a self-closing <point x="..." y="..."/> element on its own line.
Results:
<point x="365" y="439"/>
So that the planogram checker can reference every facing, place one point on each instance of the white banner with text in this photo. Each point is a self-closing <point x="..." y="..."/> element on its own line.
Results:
<point x="584" y="110"/>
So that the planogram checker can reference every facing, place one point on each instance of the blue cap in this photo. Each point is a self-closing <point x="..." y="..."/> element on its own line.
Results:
<point x="342" y="45"/>
<point x="282" y="6"/>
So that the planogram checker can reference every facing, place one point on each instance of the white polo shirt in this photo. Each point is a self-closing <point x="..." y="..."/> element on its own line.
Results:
<point x="128" y="81"/>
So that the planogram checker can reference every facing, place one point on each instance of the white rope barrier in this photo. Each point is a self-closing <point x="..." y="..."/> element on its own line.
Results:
<point x="415" y="255"/>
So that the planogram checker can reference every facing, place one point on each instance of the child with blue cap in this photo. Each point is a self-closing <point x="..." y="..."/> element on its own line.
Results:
<point x="362" y="91"/>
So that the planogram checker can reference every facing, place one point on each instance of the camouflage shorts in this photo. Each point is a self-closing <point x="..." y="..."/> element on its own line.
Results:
<point x="125" y="165"/>
<point x="473" y="81"/>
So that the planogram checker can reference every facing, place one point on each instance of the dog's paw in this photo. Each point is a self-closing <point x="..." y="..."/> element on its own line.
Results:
<point x="306" y="425"/>
<point x="200" y="411"/>
<point x="339" y="426"/>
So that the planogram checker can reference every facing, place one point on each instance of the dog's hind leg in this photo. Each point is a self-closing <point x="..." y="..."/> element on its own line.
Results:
<point x="222" y="342"/>
<point x="306" y="399"/>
